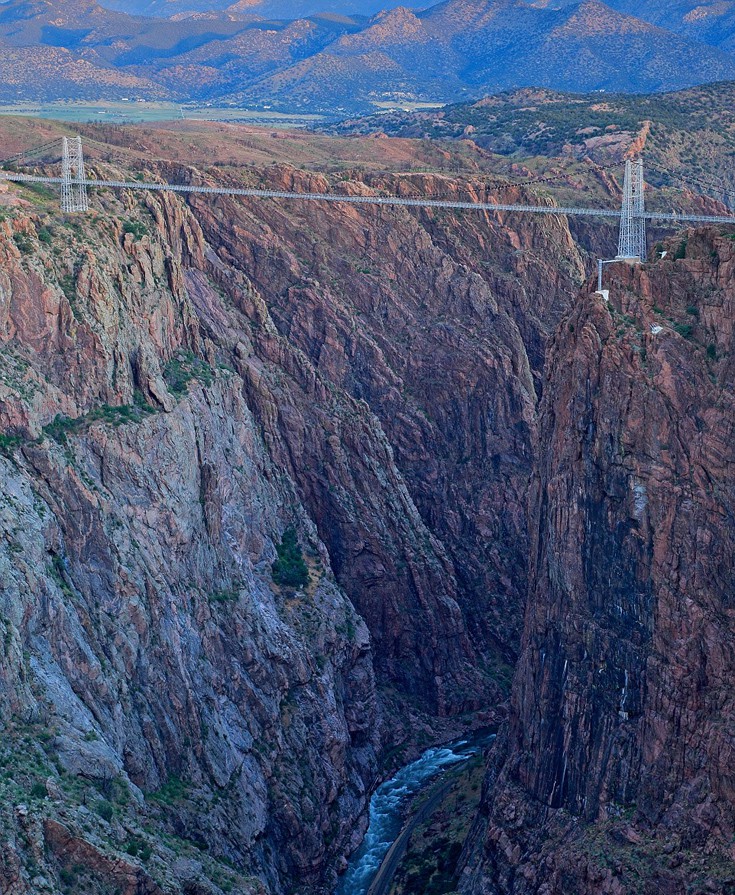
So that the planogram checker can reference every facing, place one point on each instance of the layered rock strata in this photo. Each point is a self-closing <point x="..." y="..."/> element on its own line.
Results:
<point x="615" y="772"/>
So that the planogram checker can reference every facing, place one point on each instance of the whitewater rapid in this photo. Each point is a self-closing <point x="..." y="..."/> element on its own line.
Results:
<point x="388" y="804"/>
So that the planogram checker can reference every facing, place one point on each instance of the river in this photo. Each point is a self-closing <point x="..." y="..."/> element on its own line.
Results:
<point x="389" y="803"/>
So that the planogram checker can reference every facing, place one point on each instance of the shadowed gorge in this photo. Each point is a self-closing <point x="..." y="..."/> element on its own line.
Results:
<point x="296" y="492"/>
<point x="193" y="395"/>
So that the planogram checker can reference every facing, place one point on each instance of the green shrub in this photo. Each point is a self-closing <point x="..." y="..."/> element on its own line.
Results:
<point x="119" y="792"/>
<point x="681" y="251"/>
<point x="68" y="285"/>
<point x="712" y="351"/>
<point x="137" y="847"/>
<point x="68" y="877"/>
<point x="9" y="443"/>
<point x="684" y="329"/>
<point x="290" y="570"/>
<point x="24" y="244"/>
<point x="57" y="572"/>
<point x="104" y="809"/>
<point x="224" y="596"/>
<point x="140" y="402"/>
<point x="61" y="427"/>
<point x="38" y="791"/>
<point x="693" y="310"/>
<point x="184" y="367"/>
<point x="117" y="415"/>
<point x="172" y="791"/>
<point x="137" y="228"/>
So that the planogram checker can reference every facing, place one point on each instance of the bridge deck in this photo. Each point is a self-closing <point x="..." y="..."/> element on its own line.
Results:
<point x="660" y="217"/>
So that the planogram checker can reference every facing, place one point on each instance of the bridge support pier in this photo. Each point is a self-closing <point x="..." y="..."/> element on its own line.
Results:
<point x="73" y="189"/>
<point x="632" y="240"/>
<point x="632" y="237"/>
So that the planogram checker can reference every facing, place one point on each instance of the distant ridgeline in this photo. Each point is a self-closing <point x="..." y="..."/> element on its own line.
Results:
<point x="348" y="58"/>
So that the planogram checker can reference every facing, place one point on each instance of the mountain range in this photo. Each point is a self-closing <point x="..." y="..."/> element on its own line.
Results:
<point x="712" y="21"/>
<point x="282" y="9"/>
<point x="700" y="20"/>
<point x="342" y="64"/>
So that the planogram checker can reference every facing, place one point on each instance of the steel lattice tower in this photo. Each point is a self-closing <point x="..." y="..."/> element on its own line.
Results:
<point x="73" y="188"/>
<point x="632" y="241"/>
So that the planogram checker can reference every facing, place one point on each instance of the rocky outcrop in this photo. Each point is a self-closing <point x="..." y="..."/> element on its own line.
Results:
<point x="146" y="648"/>
<point x="615" y="772"/>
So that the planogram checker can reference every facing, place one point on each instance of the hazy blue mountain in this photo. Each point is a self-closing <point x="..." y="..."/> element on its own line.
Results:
<point x="280" y="9"/>
<point x="340" y="65"/>
<point x="464" y="48"/>
<point x="709" y="21"/>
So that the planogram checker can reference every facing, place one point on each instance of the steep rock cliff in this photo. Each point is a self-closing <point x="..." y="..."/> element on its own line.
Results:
<point x="439" y="323"/>
<point x="177" y="388"/>
<point x="146" y="648"/>
<point x="615" y="772"/>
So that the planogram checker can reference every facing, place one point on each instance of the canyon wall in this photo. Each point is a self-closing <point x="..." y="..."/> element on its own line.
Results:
<point x="614" y="773"/>
<point x="438" y="321"/>
<point x="146" y="648"/>
<point x="180" y="385"/>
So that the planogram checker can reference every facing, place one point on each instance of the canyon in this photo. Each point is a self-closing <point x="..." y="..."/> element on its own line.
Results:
<point x="183" y="383"/>
<point x="484" y="465"/>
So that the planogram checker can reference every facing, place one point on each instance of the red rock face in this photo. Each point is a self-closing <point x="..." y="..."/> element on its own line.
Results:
<point x="443" y="337"/>
<point x="372" y="379"/>
<point x="618" y="760"/>
<point x="146" y="648"/>
<point x="169" y="402"/>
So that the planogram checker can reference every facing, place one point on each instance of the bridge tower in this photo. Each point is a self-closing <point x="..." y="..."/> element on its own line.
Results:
<point x="632" y="241"/>
<point x="73" y="189"/>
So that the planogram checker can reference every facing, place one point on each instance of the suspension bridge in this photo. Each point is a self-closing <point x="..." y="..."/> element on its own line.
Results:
<point x="632" y="215"/>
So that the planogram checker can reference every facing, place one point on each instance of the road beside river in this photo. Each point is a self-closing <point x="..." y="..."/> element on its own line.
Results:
<point x="375" y="862"/>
